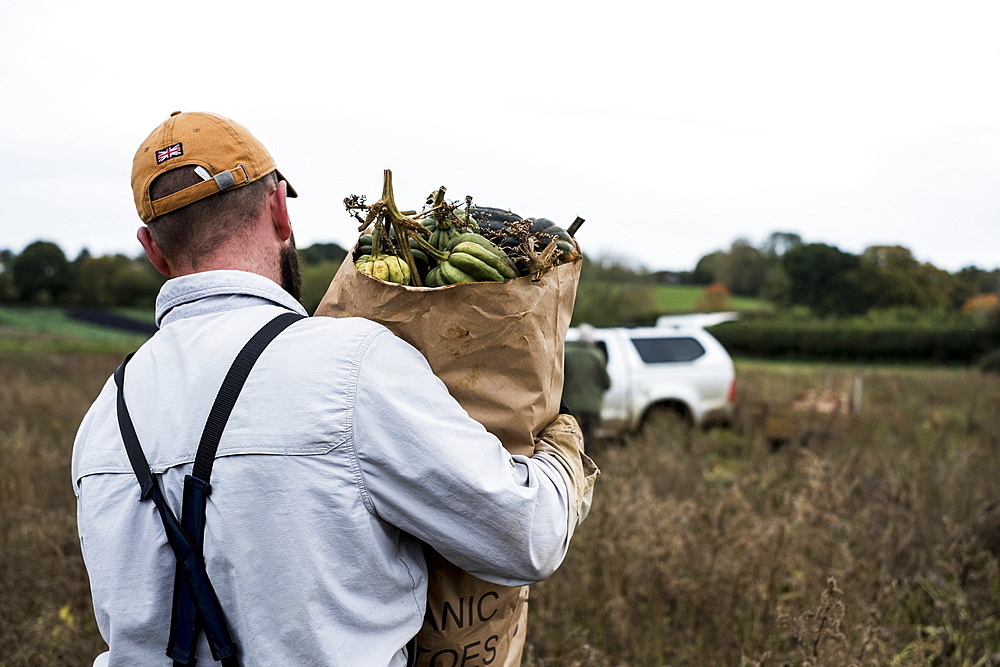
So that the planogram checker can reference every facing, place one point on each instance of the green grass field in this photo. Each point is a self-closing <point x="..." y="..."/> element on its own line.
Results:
<point x="685" y="298"/>
<point x="41" y="328"/>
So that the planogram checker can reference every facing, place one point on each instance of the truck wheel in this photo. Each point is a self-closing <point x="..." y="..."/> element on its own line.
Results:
<point x="667" y="425"/>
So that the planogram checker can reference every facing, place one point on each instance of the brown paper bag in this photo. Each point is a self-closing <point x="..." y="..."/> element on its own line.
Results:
<point x="470" y="621"/>
<point x="498" y="347"/>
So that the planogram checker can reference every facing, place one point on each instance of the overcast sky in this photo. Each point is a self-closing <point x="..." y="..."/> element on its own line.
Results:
<point x="673" y="128"/>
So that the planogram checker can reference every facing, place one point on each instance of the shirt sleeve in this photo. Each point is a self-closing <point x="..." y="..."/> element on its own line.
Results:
<point x="432" y="471"/>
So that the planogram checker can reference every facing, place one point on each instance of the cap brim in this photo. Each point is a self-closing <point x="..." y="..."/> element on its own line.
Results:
<point x="291" y="190"/>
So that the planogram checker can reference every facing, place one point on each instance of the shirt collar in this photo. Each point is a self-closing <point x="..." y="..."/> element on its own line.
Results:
<point x="217" y="291"/>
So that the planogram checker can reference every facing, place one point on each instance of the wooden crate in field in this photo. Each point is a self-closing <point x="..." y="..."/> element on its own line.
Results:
<point x="810" y="415"/>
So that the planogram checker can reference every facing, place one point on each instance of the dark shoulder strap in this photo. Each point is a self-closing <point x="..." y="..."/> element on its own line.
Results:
<point x="217" y="418"/>
<point x="196" y="606"/>
<point x="135" y="454"/>
<point x="230" y="391"/>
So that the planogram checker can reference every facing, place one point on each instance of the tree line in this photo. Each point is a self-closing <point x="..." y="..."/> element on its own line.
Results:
<point x="42" y="274"/>
<point x="880" y="305"/>
<point x="787" y="271"/>
<point x="791" y="277"/>
<point x="784" y="271"/>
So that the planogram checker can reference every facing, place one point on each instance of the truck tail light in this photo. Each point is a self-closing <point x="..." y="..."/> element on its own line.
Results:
<point x="731" y="394"/>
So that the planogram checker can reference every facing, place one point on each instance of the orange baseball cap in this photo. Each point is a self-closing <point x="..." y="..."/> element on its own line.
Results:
<point x="230" y="157"/>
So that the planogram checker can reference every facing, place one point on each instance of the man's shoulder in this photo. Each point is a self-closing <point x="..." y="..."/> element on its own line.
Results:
<point x="344" y="328"/>
<point x="359" y="323"/>
<point x="344" y="338"/>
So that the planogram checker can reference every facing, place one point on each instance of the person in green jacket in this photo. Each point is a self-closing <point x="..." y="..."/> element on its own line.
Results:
<point x="585" y="381"/>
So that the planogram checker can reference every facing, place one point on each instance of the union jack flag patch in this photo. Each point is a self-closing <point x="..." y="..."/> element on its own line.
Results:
<point x="165" y="154"/>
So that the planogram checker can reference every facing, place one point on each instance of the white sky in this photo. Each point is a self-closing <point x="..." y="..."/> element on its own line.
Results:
<point x="672" y="127"/>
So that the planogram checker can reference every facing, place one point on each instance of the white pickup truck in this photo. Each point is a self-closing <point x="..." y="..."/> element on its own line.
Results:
<point x="662" y="375"/>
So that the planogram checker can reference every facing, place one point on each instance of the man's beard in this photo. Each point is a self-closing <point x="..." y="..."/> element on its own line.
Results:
<point x="291" y="272"/>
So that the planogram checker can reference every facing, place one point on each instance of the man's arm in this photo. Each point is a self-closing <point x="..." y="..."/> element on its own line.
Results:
<point x="432" y="471"/>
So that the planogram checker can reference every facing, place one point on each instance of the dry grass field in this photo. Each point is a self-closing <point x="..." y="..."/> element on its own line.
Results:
<point x="45" y="612"/>
<point x="868" y="539"/>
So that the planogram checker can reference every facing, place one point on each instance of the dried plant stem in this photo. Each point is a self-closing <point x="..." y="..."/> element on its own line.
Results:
<point x="384" y="213"/>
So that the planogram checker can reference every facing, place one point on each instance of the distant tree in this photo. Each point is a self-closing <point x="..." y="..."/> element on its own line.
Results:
<point x="41" y="273"/>
<point x="972" y="281"/>
<point x="139" y="283"/>
<point x="81" y="258"/>
<point x="777" y="285"/>
<point x="316" y="279"/>
<point x="116" y="280"/>
<point x="614" y="269"/>
<point x="822" y="277"/>
<point x="7" y="291"/>
<point x="322" y="252"/>
<point x="604" y="304"/>
<point x="892" y="278"/>
<point x="613" y="294"/>
<point x="709" y="268"/>
<point x="95" y="277"/>
<point x="778" y="243"/>
<point x="743" y="269"/>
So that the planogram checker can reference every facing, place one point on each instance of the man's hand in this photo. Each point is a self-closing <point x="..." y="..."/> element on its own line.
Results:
<point x="563" y="441"/>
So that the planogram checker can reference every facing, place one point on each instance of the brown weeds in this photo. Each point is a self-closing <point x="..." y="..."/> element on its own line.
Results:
<point x="46" y="617"/>
<point x="864" y="544"/>
<point x="872" y="542"/>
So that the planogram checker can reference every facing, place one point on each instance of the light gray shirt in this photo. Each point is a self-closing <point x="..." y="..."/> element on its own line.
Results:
<point x="343" y="452"/>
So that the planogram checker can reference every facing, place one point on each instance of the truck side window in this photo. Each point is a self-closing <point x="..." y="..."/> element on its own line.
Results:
<point x="667" y="350"/>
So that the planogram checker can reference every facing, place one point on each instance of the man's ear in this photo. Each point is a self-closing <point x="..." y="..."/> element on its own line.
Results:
<point x="277" y="202"/>
<point x="153" y="252"/>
